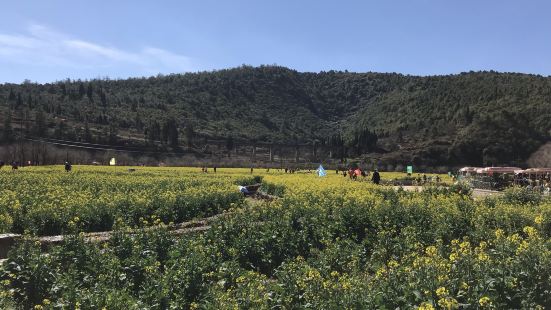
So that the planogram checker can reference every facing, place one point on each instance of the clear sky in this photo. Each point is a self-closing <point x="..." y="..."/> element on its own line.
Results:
<point x="51" y="40"/>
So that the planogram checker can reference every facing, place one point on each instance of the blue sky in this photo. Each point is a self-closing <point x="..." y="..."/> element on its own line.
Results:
<point x="51" y="40"/>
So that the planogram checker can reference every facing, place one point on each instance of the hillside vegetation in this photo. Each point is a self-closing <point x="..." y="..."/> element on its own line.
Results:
<point x="470" y="118"/>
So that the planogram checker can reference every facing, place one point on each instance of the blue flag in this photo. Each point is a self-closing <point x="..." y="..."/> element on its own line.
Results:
<point x="321" y="171"/>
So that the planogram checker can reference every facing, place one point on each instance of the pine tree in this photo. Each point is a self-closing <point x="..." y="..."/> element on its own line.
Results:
<point x="87" y="133"/>
<point x="7" y="133"/>
<point x="39" y="128"/>
<point x="189" y="134"/>
<point x="59" y="131"/>
<point x="90" y="92"/>
<point x="81" y="90"/>
<point x="113" y="132"/>
<point x="19" y="101"/>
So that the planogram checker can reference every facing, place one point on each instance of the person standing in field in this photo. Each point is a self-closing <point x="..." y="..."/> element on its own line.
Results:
<point x="214" y="169"/>
<point x="376" y="178"/>
<point x="67" y="166"/>
<point x="357" y="173"/>
<point x="251" y="170"/>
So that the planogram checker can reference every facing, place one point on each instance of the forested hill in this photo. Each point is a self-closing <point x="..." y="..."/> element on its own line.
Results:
<point x="470" y="118"/>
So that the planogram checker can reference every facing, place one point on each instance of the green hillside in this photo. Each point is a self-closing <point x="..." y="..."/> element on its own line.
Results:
<point x="470" y="118"/>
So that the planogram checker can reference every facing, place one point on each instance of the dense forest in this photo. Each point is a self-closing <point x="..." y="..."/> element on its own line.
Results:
<point x="476" y="118"/>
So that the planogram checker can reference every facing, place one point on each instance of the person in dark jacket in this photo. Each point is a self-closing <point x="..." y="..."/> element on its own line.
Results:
<point x="68" y="166"/>
<point x="376" y="178"/>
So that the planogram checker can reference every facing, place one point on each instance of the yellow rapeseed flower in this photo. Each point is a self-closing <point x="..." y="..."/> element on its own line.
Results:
<point x="530" y="231"/>
<point x="448" y="303"/>
<point x="441" y="292"/>
<point x="523" y="247"/>
<point x="431" y="251"/>
<point x="485" y="301"/>
<point x="425" y="306"/>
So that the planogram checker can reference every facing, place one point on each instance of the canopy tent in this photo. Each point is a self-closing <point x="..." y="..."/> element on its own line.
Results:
<point x="535" y="171"/>
<point x="492" y="170"/>
<point x="468" y="169"/>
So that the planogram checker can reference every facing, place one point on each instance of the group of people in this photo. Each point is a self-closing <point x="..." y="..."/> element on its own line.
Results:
<point x="541" y="184"/>
<point x="424" y="179"/>
<point x="205" y="169"/>
<point x="14" y="165"/>
<point x="355" y="174"/>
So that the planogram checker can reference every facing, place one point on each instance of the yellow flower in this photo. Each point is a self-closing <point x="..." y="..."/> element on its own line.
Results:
<point x="499" y="233"/>
<point x="454" y="257"/>
<point x="46" y="302"/>
<point x="448" y="303"/>
<point x="441" y="292"/>
<point x="240" y="279"/>
<point x="346" y="285"/>
<point x="530" y="231"/>
<point x="431" y="251"/>
<point x="193" y="306"/>
<point x="483" y="257"/>
<point x="484" y="301"/>
<point x="464" y="286"/>
<point x="312" y="274"/>
<point x="465" y="247"/>
<point x="539" y="219"/>
<point x="442" y="277"/>
<point x="514" y="238"/>
<point x="523" y="247"/>
<point x="393" y="264"/>
<point x="380" y="272"/>
<point x="425" y="306"/>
